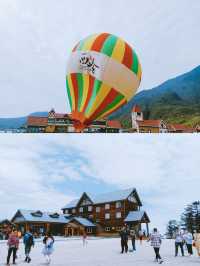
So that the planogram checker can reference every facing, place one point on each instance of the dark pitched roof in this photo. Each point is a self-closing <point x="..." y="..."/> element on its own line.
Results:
<point x="114" y="124"/>
<point x="137" y="216"/>
<point x="106" y="197"/>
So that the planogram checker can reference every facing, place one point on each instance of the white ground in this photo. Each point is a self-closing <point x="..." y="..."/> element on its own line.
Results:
<point x="100" y="252"/>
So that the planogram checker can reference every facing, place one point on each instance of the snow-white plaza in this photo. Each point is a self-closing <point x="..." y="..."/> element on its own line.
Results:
<point x="100" y="252"/>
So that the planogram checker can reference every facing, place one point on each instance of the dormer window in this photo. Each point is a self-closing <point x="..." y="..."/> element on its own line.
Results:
<point x="54" y="215"/>
<point x="37" y="214"/>
<point x="81" y="209"/>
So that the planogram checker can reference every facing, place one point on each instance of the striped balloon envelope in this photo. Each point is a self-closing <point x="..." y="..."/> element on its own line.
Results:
<point x="103" y="74"/>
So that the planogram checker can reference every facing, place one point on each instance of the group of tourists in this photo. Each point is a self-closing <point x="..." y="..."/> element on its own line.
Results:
<point x="183" y="240"/>
<point x="28" y="241"/>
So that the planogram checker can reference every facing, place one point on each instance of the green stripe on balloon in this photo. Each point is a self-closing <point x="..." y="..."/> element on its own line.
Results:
<point x="114" y="103"/>
<point x="69" y="94"/>
<point x="80" y="89"/>
<point x="109" y="45"/>
<point x="96" y="88"/>
<point x="135" y="65"/>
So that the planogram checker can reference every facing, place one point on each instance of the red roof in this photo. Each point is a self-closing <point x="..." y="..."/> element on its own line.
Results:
<point x="114" y="124"/>
<point x="180" y="128"/>
<point x="149" y="123"/>
<point x="136" y="109"/>
<point x="37" y="121"/>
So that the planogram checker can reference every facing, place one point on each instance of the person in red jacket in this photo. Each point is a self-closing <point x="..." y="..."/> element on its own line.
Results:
<point x="13" y="245"/>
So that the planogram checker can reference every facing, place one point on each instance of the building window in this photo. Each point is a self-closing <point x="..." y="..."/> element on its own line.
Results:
<point x="89" y="208"/>
<point x="107" y="206"/>
<point x="81" y="209"/>
<point x="107" y="216"/>
<point x="107" y="229"/>
<point x="98" y="209"/>
<point x="66" y="211"/>
<point x="118" y="215"/>
<point x="118" y="204"/>
<point x="89" y="230"/>
<point x="73" y="210"/>
<point x="118" y="228"/>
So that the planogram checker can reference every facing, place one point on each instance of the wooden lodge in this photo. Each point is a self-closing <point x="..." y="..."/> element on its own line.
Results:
<point x="103" y="214"/>
<point x="109" y="211"/>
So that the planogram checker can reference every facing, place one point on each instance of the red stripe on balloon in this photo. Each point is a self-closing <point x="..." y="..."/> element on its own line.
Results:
<point x="99" y="42"/>
<point x="90" y="89"/>
<point x="108" y="100"/>
<point x="115" y="109"/>
<point x="75" y="86"/>
<point x="128" y="56"/>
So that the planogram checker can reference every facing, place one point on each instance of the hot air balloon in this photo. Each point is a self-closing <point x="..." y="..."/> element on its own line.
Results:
<point x="103" y="74"/>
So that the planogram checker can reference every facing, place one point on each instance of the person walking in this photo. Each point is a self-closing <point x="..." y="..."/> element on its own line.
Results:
<point x="188" y="238"/>
<point x="133" y="239"/>
<point x="156" y="241"/>
<point x="48" y="249"/>
<point x="124" y="240"/>
<point x="13" y="245"/>
<point x="197" y="241"/>
<point x="28" y="244"/>
<point x="179" y="240"/>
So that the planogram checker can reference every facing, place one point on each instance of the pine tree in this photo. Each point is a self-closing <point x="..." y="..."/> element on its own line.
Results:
<point x="191" y="217"/>
<point x="172" y="226"/>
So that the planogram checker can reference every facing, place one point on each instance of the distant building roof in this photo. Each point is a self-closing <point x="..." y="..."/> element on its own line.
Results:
<point x="137" y="216"/>
<point x="136" y="109"/>
<point x="106" y="197"/>
<point x="83" y="221"/>
<point x="149" y="123"/>
<point x="114" y="124"/>
<point x="38" y="216"/>
<point x="180" y="128"/>
<point x="37" y="121"/>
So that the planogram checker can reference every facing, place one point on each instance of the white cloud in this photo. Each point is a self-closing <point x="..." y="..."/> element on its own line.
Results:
<point x="37" y="37"/>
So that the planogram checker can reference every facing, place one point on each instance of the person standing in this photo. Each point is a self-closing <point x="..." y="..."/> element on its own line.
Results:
<point x="28" y="244"/>
<point x="188" y="238"/>
<point x="140" y="236"/>
<point x="13" y="245"/>
<point x="179" y="243"/>
<point x="156" y="241"/>
<point x="124" y="240"/>
<point x="133" y="239"/>
<point x="48" y="242"/>
<point x="197" y="241"/>
<point x="84" y="238"/>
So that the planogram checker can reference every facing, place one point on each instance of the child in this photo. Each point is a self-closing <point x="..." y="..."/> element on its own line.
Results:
<point x="48" y="247"/>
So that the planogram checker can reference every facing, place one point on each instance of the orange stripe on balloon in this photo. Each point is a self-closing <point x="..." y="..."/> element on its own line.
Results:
<point x="128" y="56"/>
<point x="74" y="49"/>
<point x="75" y="86"/>
<point x="98" y="43"/>
<point x="109" y="99"/>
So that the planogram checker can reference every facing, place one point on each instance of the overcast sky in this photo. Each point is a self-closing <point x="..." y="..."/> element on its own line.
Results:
<point x="46" y="172"/>
<point x="36" y="38"/>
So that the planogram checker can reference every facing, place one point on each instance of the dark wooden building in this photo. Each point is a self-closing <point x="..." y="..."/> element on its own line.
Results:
<point x="110" y="211"/>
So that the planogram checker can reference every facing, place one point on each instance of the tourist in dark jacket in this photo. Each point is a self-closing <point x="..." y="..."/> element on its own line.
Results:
<point x="124" y="239"/>
<point x="133" y="239"/>
<point x="13" y="245"/>
<point x="179" y="241"/>
<point x="28" y="244"/>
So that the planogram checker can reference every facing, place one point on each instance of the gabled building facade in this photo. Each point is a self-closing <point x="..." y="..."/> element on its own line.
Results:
<point x="109" y="211"/>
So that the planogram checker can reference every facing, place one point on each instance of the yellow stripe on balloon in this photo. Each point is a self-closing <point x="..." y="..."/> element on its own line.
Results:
<point x="123" y="101"/>
<point x="71" y="88"/>
<point x="88" y="44"/>
<point x="119" y="50"/>
<point x="102" y="94"/>
<point x="86" y="83"/>
<point x="139" y="74"/>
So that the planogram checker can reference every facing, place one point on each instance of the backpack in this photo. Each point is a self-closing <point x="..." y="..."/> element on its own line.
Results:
<point x="29" y="241"/>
